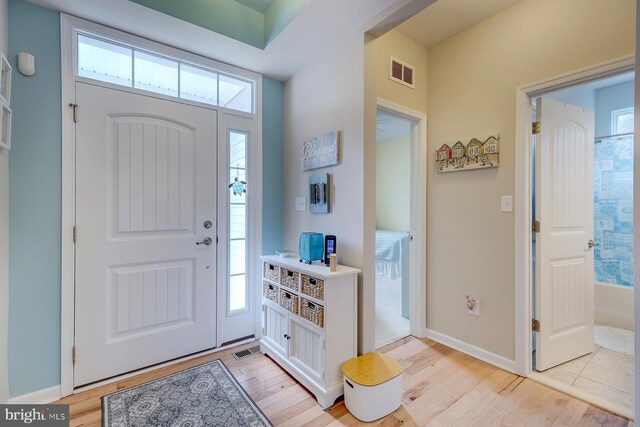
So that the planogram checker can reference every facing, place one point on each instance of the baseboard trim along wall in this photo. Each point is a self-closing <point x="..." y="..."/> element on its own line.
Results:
<point x="38" y="397"/>
<point x="472" y="350"/>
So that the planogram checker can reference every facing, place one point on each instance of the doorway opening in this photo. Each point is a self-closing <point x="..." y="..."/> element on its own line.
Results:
<point x="393" y="225"/>
<point x="582" y="244"/>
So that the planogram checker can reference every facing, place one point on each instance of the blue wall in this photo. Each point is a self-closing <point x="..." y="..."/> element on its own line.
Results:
<point x="35" y="196"/>
<point x="34" y="202"/>
<point x="611" y="98"/>
<point x="613" y="190"/>
<point x="272" y="164"/>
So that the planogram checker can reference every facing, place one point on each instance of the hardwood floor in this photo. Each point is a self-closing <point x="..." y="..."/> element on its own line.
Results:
<point x="442" y="387"/>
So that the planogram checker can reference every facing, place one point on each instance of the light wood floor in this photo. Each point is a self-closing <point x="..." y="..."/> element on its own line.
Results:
<point x="442" y="387"/>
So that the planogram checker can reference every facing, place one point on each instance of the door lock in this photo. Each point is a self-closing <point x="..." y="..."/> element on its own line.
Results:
<point x="591" y="244"/>
<point x="207" y="241"/>
<point x="207" y="224"/>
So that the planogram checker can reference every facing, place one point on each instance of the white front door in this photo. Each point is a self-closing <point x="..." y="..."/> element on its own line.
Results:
<point x="145" y="188"/>
<point x="564" y="256"/>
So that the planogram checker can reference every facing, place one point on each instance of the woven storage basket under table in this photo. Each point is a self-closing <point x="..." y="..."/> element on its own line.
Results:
<point x="289" y="301"/>
<point x="290" y="279"/>
<point x="270" y="291"/>
<point x="312" y="312"/>
<point x="271" y="272"/>
<point x="313" y="287"/>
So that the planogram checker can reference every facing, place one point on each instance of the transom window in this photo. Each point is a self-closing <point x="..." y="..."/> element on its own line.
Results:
<point x="129" y="66"/>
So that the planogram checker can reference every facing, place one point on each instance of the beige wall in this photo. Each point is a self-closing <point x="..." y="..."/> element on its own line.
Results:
<point x="393" y="158"/>
<point x="405" y="49"/>
<point x="472" y="81"/>
<point x="320" y="98"/>
<point x="4" y="229"/>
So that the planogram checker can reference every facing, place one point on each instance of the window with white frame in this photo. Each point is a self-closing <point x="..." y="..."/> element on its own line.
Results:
<point x="622" y="121"/>
<point x="237" y="222"/>
<point x="120" y="64"/>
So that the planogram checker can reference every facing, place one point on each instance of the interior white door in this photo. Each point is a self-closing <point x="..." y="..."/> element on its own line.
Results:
<point x="564" y="256"/>
<point x="145" y="186"/>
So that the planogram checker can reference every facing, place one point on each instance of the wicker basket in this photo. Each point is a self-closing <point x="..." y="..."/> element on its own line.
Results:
<point x="313" y="287"/>
<point x="271" y="272"/>
<point x="312" y="312"/>
<point x="289" y="301"/>
<point x="290" y="279"/>
<point x="270" y="291"/>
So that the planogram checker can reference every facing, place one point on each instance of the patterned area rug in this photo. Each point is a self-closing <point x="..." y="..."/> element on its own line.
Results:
<point x="206" y="395"/>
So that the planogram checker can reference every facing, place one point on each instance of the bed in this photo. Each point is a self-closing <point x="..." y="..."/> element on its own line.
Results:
<point x="392" y="261"/>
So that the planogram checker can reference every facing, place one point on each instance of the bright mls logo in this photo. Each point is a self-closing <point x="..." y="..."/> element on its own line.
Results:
<point x="34" y="415"/>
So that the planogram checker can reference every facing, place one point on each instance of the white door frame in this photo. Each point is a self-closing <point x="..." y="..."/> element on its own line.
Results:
<point x="524" y="188"/>
<point x="418" y="246"/>
<point x="68" y="25"/>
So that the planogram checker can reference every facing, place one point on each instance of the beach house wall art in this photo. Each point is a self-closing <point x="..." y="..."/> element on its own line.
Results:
<point x="477" y="153"/>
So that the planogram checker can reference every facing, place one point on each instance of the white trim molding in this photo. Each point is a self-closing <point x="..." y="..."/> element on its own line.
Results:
<point x="37" y="397"/>
<point x="524" y="188"/>
<point x="598" y="401"/>
<point x="418" y="218"/>
<point x="472" y="350"/>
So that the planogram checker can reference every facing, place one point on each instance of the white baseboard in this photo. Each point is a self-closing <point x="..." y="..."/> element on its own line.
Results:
<point x="472" y="350"/>
<point x="46" y="395"/>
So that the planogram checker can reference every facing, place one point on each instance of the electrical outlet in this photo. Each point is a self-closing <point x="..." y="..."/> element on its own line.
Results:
<point x="301" y="203"/>
<point x="473" y="305"/>
<point x="475" y="310"/>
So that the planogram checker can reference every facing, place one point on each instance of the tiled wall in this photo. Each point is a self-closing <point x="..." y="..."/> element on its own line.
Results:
<point x="613" y="210"/>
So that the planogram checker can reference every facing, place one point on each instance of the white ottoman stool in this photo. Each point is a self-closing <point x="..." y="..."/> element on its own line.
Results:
<point x="372" y="386"/>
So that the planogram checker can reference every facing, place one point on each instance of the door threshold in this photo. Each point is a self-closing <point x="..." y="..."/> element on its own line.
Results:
<point x="159" y="365"/>
<point x="582" y="395"/>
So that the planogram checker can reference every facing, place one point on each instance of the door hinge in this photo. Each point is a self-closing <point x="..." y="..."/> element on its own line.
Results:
<point x="75" y="234"/>
<point x="535" y="128"/>
<point x="75" y="112"/>
<point x="73" y="355"/>
<point x="535" y="226"/>
<point x="535" y="325"/>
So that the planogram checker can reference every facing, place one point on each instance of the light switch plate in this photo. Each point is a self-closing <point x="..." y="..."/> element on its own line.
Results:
<point x="506" y="204"/>
<point x="301" y="203"/>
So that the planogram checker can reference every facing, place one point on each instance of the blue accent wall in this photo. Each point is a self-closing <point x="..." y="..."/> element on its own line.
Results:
<point x="613" y="210"/>
<point x="272" y="164"/>
<point x="35" y="196"/>
<point x="34" y="201"/>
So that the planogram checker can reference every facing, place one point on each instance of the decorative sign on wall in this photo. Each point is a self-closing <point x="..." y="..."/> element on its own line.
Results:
<point x="319" y="193"/>
<point x="476" y="154"/>
<point x="321" y="151"/>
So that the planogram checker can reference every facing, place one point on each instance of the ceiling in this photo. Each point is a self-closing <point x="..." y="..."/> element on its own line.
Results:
<point x="391" y="127"/>
<point x="257" y="5"/>
<point x="319" y="26"/>
<point x="446" y="18"/>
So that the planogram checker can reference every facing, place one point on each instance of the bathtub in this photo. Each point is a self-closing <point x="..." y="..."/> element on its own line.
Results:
<point x="614" y="305"/>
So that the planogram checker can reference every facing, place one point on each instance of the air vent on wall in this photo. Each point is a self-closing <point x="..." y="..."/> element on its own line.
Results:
<point x="402" y="73"/>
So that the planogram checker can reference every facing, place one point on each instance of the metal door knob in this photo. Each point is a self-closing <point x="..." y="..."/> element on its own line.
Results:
<point x="591" y="243"/>
<point x="207" y="241"/>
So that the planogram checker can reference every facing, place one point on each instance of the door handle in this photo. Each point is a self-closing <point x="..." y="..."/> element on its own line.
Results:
<point x="591" y="244"/>
<point x="207" y="241"/>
